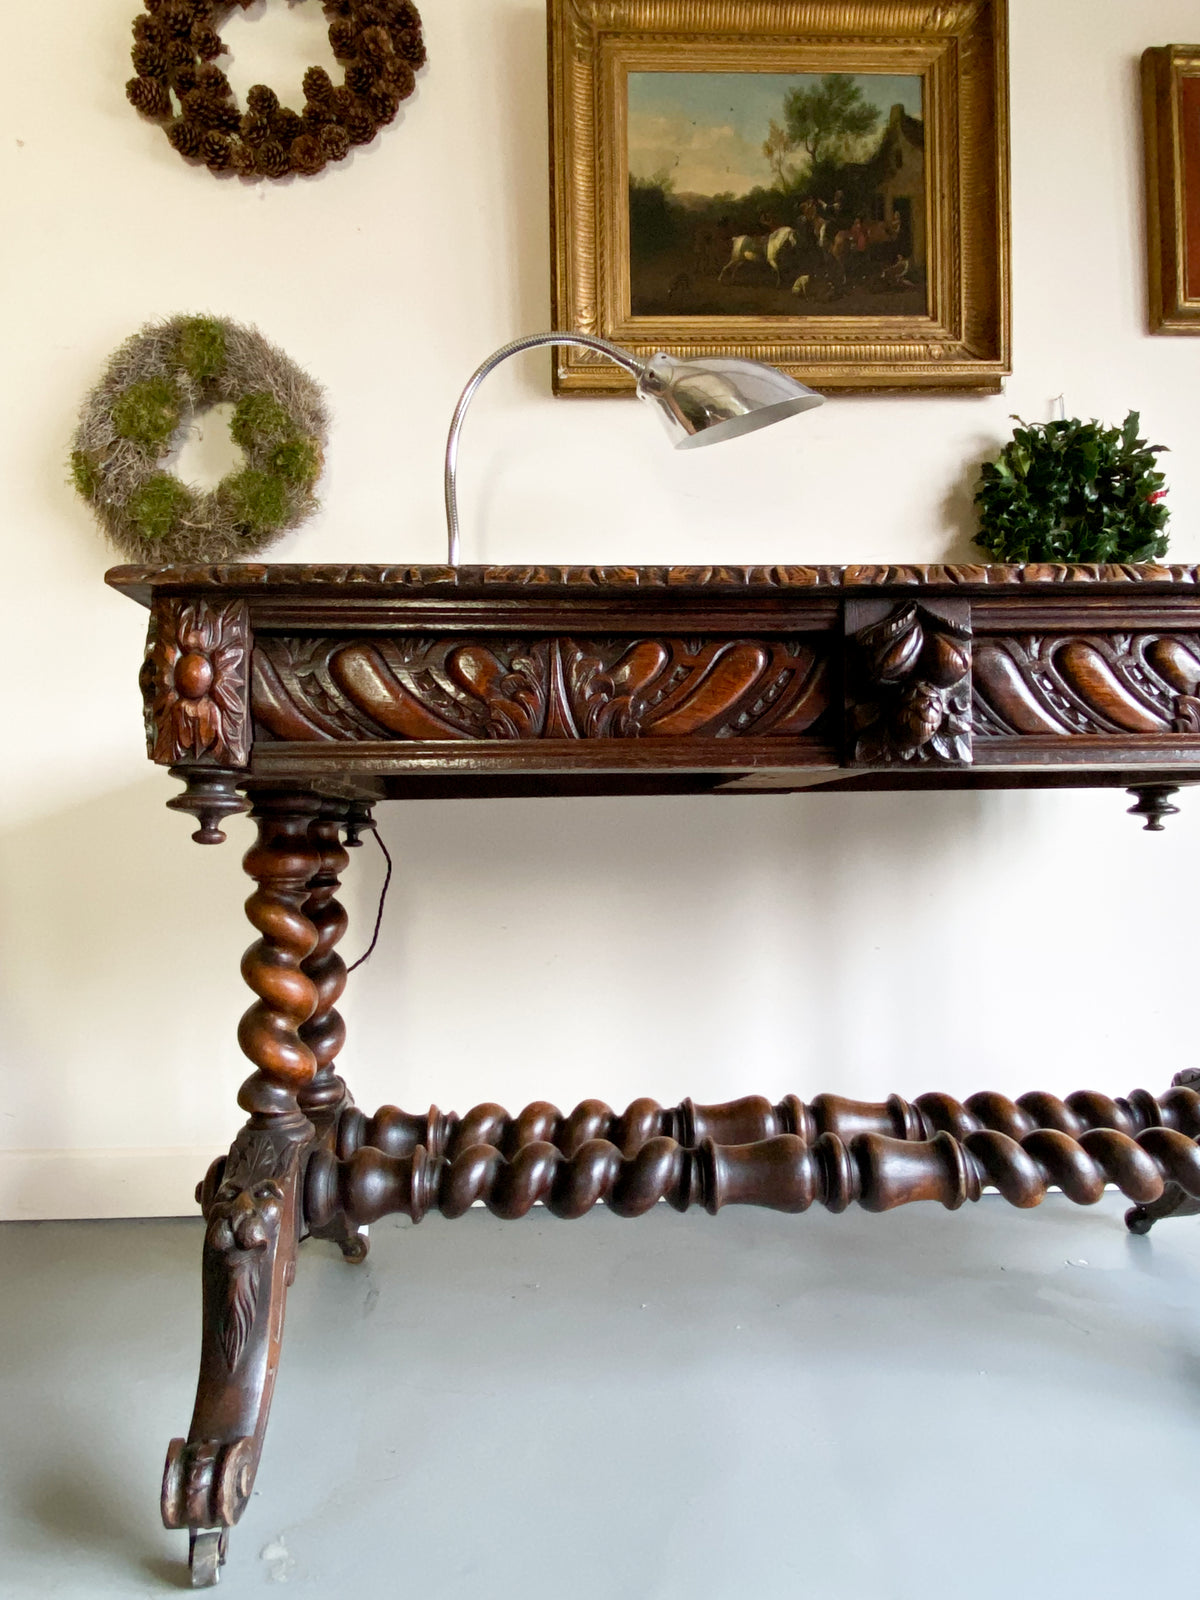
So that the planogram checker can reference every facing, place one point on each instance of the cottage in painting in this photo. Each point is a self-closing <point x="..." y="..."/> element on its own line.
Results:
<point x="898" y="172"/>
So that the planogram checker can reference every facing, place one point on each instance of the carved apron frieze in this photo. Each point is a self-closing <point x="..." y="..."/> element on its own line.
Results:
<point x="408" y="687"/>
<point x="1087" y="683"/>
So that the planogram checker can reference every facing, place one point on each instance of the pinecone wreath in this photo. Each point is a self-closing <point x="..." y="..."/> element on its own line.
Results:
<point x="176" y="43"/>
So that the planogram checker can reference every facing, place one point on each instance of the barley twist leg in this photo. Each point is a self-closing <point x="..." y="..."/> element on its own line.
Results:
<point x="326" y="1098"/>
<point x="251" y="1199"/>
<point x="748" y="1120"/>
<point x="324" y="1033"/>
<point x="1175" y="1201"/>
<point x="743" y="1121"/>
<point x="283" y="862"/>
<point x="1078" y="1115"/>
<point x="785" y="1173"/>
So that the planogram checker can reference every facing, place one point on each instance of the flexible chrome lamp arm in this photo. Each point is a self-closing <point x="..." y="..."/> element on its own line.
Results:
<point x="531" y="342"/>
<point x="700" y="401"/>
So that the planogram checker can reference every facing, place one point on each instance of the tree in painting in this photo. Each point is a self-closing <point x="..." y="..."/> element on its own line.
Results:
<point x="777" y="146"/>
<point x="819" y="119"/>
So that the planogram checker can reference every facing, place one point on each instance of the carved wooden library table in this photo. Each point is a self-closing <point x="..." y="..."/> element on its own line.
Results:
<point x="308" y="694"/>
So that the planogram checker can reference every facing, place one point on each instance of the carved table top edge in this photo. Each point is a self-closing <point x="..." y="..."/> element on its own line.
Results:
<point x="140" y="582"/>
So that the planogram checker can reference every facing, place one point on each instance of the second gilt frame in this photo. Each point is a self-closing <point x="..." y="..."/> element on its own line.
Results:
<point x="960" y="52"/>
<point x="1171" y="111"/>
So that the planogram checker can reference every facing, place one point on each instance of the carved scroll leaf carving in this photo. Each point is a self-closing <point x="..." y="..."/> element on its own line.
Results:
<point x="242" y="1300"/>
<point x="547" y="688"/>
<point x="207" y="1482"/>
<point x="194" y="683"/>
<point x="1087" y="684"/>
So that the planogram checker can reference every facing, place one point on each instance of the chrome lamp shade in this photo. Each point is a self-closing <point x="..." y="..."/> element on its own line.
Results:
<point x="719" y="397"/>
<point x="701" y="401"/>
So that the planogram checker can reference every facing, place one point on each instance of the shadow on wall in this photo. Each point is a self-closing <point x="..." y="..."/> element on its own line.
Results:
<point x="119" y="984"/>
<point x="710" y="946"/>
<point x="701" y="946"/>
<point x="960" y="514"/>
<point x="707" y="946"/>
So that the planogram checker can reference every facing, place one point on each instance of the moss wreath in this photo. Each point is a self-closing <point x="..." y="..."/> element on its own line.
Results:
<point x="156" y="382"/>
<point x="175" y="46"/>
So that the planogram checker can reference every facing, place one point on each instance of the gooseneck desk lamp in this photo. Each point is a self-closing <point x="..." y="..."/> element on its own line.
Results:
<point x="700" y="402"/>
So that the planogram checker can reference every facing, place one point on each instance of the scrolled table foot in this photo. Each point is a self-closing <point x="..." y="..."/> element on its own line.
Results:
<point x="251" y="1211"/>
<point x="207" y="1482"/>
<point x="206" y="1485"/>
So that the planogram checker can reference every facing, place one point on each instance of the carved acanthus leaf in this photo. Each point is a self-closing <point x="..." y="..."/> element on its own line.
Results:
<point x="543" y="688"/>
<point x="1109" y="683"/>
<point x="241" y="1302"/>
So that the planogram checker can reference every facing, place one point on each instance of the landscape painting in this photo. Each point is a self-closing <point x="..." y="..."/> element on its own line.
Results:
<point x="765" y="194"/>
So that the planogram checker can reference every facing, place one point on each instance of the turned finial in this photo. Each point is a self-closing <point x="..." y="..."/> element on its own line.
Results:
<point x="1154" y="803"/>
<point x="210" y="796"/>
<point x="360" y="819"/>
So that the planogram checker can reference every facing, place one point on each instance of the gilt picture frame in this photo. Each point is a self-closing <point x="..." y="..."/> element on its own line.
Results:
<point x="1171" y="109"/>
<point x="857" y="149"/>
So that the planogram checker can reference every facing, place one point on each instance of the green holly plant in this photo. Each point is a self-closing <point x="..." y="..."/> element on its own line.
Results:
<point x="1073" y="491"/>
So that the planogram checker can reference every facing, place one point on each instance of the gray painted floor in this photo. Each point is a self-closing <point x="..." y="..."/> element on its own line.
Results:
<point x="836" y="1408"/>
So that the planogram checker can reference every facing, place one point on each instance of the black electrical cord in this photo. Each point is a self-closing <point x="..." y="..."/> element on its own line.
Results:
<point x="383" y="893"/>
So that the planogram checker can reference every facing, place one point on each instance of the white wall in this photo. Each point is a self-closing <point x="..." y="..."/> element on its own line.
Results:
<point x="541" y="949"/>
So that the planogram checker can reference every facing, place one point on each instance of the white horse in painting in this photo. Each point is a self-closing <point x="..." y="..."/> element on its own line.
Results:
<point x="764" y="247"/>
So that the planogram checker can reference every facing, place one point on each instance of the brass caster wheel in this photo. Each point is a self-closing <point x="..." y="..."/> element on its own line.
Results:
<point x="1138" y="1220"/>
<point x="355" y="1248"/>
<point x="207" y="1550"/>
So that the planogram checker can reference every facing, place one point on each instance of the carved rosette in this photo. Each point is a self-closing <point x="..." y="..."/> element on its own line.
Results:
<point x="541" y="688"/>
<point x="195" y="683"/>
<point x="908" y="683"/>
